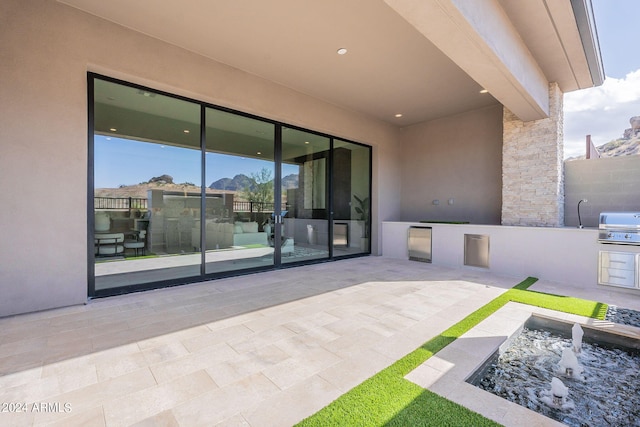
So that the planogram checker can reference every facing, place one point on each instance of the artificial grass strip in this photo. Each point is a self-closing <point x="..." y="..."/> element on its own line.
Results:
<point x="526" y="283"/>
<point x="571" y="305"/>
<point x="430" y="409"/>
<point x="387" y="399"/>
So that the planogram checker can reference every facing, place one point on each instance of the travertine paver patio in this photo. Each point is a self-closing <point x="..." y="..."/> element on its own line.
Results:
<point x="264" y="349"/>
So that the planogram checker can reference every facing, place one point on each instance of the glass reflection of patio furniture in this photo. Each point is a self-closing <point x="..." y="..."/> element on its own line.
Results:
<point x="109" y="244"/>
<point x="218" y="234"/>
<point x="286" y="242"/>
<point x="138" y="243"/>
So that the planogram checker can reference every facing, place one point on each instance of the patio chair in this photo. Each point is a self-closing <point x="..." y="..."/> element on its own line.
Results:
<point x="137" y="244"/>
<point x="109" y="243"/>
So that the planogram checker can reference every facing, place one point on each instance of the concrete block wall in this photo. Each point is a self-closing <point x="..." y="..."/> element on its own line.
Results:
<point x="532" y="162"/>
<point x="608" y="184"/>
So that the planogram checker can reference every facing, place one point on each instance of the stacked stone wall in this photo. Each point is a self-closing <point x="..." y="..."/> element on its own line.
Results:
<point x="532" y="162"/>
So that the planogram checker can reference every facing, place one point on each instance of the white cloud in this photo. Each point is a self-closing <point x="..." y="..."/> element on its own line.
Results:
<point x="602" y="112"/>
<point x="605" y="97"/>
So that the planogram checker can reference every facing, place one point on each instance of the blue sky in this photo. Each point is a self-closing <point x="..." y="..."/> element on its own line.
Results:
<point x="603" y="112"/>
<point x="126" y="162"/>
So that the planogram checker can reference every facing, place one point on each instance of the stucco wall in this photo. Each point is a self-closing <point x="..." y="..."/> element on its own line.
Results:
<point x="457" y="157"/>
<point x="560" y="254"/>
<point x="608" y="184"/>
<point x="46" y="50"/>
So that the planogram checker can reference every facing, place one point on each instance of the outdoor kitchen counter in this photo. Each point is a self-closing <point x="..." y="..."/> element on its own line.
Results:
<point x="562" y="254"/>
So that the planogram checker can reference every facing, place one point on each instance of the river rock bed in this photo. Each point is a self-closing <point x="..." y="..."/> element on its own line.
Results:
<point x="624" y="316"/>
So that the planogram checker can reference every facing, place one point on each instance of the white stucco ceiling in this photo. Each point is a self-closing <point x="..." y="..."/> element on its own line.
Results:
<point x="390" y="66"/>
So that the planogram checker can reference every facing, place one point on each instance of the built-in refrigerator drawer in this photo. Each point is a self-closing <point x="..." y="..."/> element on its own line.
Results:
<point x="340" y="234"/>
<point x="419" y="244"/>
<point x="476" y="250"/>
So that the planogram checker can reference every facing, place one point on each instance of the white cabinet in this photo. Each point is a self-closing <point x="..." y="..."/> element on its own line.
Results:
<point x="618" y="269"/>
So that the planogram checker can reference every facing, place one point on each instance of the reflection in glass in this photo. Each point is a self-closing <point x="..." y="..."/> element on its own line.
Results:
<point x="240" y="192"/>
<point x="305" y="228"/>
<point x="146" y="187"/>
<point x="152" y="226"/>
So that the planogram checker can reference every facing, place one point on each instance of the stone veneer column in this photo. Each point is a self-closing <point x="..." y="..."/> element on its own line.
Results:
<point x="532" y="162"/>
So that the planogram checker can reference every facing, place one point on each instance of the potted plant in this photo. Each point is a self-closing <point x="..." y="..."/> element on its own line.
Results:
<point x="363" y="210"/>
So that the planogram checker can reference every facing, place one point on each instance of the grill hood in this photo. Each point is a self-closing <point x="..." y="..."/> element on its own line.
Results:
<point x="620" y="221"/>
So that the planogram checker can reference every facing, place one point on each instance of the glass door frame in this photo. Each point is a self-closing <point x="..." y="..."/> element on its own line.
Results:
<point x="203" y="276"/>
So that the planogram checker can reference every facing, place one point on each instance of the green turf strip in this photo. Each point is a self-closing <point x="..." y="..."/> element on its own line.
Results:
<point x="387" y="399"/>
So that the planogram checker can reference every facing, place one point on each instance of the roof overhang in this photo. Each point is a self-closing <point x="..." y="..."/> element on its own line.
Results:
<point x="514" y="48"/>
<point x="583" y="12"/>
<point x="423" y="58"/>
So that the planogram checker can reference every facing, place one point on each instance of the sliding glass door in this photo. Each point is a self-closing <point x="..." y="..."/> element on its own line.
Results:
<point x="305" y="193"/>
<point x="181" y="191"/>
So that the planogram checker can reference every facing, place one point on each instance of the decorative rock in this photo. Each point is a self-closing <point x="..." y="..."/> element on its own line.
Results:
<point x="623" y="316"/>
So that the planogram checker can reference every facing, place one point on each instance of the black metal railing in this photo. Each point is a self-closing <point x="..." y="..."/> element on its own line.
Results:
<point x="127" y="203"/>
<point x="240" y="206"/>
<point x="119" y="203"/>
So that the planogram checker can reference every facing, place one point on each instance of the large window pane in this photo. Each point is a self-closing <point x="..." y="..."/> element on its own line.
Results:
<point x="351" y="198"/>
<point x="147" y="186"/>
<point x="240" y="192"/>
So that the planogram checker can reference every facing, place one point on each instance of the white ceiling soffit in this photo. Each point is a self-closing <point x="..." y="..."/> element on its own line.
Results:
<point x="392" y="65"/>
<point x="390" y="68"/>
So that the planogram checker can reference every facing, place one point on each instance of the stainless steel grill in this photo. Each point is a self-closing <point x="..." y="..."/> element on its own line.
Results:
<point x="620" y="228"/>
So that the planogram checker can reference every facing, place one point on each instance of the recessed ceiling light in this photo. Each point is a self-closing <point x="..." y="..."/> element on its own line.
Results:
<point x="259" y="152"/>
<point x="398" y="115"/>
<point x="113" y="129"/>
<point x="342" y="51"/>
<point x="484" y="91"/>
<point x="145" y="93"/>
<point x="186" y="131"/>
<point x="306" y="142"/>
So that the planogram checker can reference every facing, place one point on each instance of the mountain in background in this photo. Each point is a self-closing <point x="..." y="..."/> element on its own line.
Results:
<point x="241" y="181"/>
<point x="620" y="147"/>
<point x="290" y="181"/>
<point x="628" y="145"/>
<point x="165" y="182"/>
<point x="236" y="183"/>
